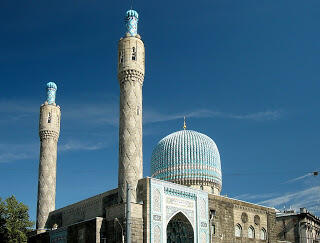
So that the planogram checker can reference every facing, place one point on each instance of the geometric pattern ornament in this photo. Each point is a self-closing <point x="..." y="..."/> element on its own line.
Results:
<point x="187" y="157"/>
<point x="47" y="181"/>
<point x="173" y="205"/>
<point x="131" y="20"/>
<point x="130" y="137"/>
<point x="51" y="92"/>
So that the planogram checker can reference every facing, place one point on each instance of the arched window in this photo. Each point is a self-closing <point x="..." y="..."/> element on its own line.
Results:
<point x="251" y="232"/>
<point x="263" y="234"/>
<point x="238" y="230"/>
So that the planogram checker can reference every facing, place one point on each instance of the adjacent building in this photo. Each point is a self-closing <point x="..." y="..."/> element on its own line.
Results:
<point x="301" y="227"/>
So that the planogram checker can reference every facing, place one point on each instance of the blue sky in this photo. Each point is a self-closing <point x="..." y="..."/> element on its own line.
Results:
<point x="246" y="73"/>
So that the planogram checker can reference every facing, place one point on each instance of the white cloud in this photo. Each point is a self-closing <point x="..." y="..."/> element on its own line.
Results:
<point x="151" y="116"/>
<point x="299" y="178"/>
<point x="108" y="112"/>
<point x="14" y="106"/>
<point x="308" y="198"/>
<point x="248" y="196"/>
<point x="77" y="145"/>
<point x="15" y="152"/>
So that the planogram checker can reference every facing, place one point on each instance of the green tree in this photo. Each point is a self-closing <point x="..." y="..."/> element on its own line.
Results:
<point x="14" y="221"/>
<point x="3" y="231"/>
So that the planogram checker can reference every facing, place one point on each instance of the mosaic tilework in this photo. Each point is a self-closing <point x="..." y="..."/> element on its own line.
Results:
<point x="51" y="92"/>
<point x="187" y="157"/>
<point x="174" y="199"/>
<point x="132" y="19"/>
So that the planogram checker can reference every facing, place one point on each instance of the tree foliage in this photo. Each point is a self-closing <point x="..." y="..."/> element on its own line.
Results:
<point x="14" y="221"/>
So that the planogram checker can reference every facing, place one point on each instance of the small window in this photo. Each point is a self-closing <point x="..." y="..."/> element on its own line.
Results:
<point x="121" y="57"/>
<point x="251" y="232"/>
<point x="213" y="229"/>
<point x="49" y="117"/>
<point x="263" y="234"/>
<point x="212" y="213"/>
<point x="134" y="53"/>
<point x="238" y="230"/>
<point x="138" y="110"/>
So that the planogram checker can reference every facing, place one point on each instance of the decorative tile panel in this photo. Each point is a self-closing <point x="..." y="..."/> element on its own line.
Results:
<point x="174" y="199"/>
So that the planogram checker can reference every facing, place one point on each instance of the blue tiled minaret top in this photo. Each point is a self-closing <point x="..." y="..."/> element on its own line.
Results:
<point x="51" y="92"/>
<point x="132" y="18"/>
<point x="187" y="157"/>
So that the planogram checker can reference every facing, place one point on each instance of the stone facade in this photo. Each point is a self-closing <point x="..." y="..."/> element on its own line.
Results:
<point x="226" y="214"/>
<point x="213" y="217"/>
<point x="131" y="76"/>
<point x="83" y="232"/>
<point x="83" y="210"/>
<point x="302" y="227"/>
<point x="49" y="130"/>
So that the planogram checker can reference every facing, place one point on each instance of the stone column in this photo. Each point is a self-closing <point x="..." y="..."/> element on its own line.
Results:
<point x="49" y="130"/>
<point x="131" y="68"/>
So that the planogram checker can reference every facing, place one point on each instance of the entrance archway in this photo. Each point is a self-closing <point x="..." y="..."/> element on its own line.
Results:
<point x="179" y="230"/>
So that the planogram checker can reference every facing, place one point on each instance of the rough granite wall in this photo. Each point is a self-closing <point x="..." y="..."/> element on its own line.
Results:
<point x="223" y="220"/>
<point x="272" y="233"/>
<point x="143" y="195"/>
<point x="130" y="76"/>
<point x="113" y="229"/>
<point x="87" y="231"/>
<point x="286" y="229"/>
<point x="300" y="227"/>
<point x="230" y="212"/>
<point x="84" y="210"/>
<point x="49" y="129"/>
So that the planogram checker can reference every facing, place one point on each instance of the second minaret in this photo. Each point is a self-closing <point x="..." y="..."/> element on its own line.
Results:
<point x="49" y="130"/>
<point x="131" y="69"/>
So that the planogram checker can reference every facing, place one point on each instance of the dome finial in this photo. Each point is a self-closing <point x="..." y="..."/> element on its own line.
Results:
<point x="184" y="123"/>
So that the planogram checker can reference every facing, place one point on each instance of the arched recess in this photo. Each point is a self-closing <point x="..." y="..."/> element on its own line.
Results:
<point x="179" y="230"/>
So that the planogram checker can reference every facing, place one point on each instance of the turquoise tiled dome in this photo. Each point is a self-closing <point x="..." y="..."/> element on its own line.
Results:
<point x="189" y="158"/>
<point x="52" y="85"/>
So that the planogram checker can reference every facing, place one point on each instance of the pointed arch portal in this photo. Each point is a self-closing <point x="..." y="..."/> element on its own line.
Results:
<point x="179" y="230"/>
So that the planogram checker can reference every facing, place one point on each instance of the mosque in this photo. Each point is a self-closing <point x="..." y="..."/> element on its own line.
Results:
<point x="180" y="202"/>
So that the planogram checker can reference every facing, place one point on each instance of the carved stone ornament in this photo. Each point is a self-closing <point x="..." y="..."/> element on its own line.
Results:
<point x="156" y="200"/>
<point x="256" y="220"/>
<point x="157" y="234"/>
<point x="244" y="217"/>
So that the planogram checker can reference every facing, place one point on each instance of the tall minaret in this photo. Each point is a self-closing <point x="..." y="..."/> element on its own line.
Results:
<point x="131" y="75"/>
<point x="49" y="129"/>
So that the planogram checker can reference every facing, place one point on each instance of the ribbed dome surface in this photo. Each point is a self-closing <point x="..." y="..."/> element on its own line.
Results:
<point x="189" y="158"/>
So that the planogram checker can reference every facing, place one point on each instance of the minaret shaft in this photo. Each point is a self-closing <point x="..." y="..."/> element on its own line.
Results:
<point x="46" y="181"/>
<point x="131" y="68"/>
<point x="49" y="129"/>
<point x="130" y="137"/>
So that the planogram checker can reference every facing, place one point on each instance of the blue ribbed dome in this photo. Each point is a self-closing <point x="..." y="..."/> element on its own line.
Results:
<point x="189" y="158"/>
